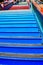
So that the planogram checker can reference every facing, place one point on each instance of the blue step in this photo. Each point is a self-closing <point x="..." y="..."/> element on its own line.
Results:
<point x="34" y="34"/>
<point x="17" y="21"/>
<point x="18" y="25"/>
<point x="21" y="50"/>
<point x="16" y="13"/>
<point x="16" y="16"/>
<point x="26" y="18"/>
<point x="20" y="62"/>
<point x="17" y="29"/>
<point x="21" y="40"/>
<point x="20" y="45"/>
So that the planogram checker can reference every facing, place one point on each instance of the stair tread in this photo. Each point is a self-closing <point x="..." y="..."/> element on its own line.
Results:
<point x="21" y="50"/>
<point x="21" y="55"/>
<point x="34" y="34"/>
<point x="18" y="25"/>
<point x="29" y="45"/>
<point x="24" y="37"/>
<point x="17" y="22"/>
<point x="19" y="40"/>
<point x="18" y="29"/>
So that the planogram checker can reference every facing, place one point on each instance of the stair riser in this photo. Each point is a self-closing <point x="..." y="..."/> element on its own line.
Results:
<point x="20" y="62"/>
<point x="34" y="34"/>
<point x="21" y="50"/>
<point x="18" y="25"/>
<point x="17" y="22"/>
<point x="19" y="29"/>
<point x="18" y="40"/>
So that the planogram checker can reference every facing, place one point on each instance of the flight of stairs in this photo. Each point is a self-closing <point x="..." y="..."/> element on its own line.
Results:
<point x="20" y="38"/>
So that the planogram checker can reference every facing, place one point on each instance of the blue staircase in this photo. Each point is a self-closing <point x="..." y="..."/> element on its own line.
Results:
<point x="20" y="38"/>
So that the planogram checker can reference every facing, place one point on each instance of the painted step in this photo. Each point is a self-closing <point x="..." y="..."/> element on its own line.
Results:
<point x="24" y="18"/>
<point x="17" y="29"/>
<point x="18" y="25"/>
<point x="20" y="56"/>
<point x="16" y="16"/>
<point x="24" y="37"/>
<point x="17" y="21"/>
<point x="29" y="45"/>
<point x="20" y="62"/>
<point x="17" y="12"/>
<point x="21" y="50"/>
<point x="21" y="40"/>
<point x="34" y="34"/>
